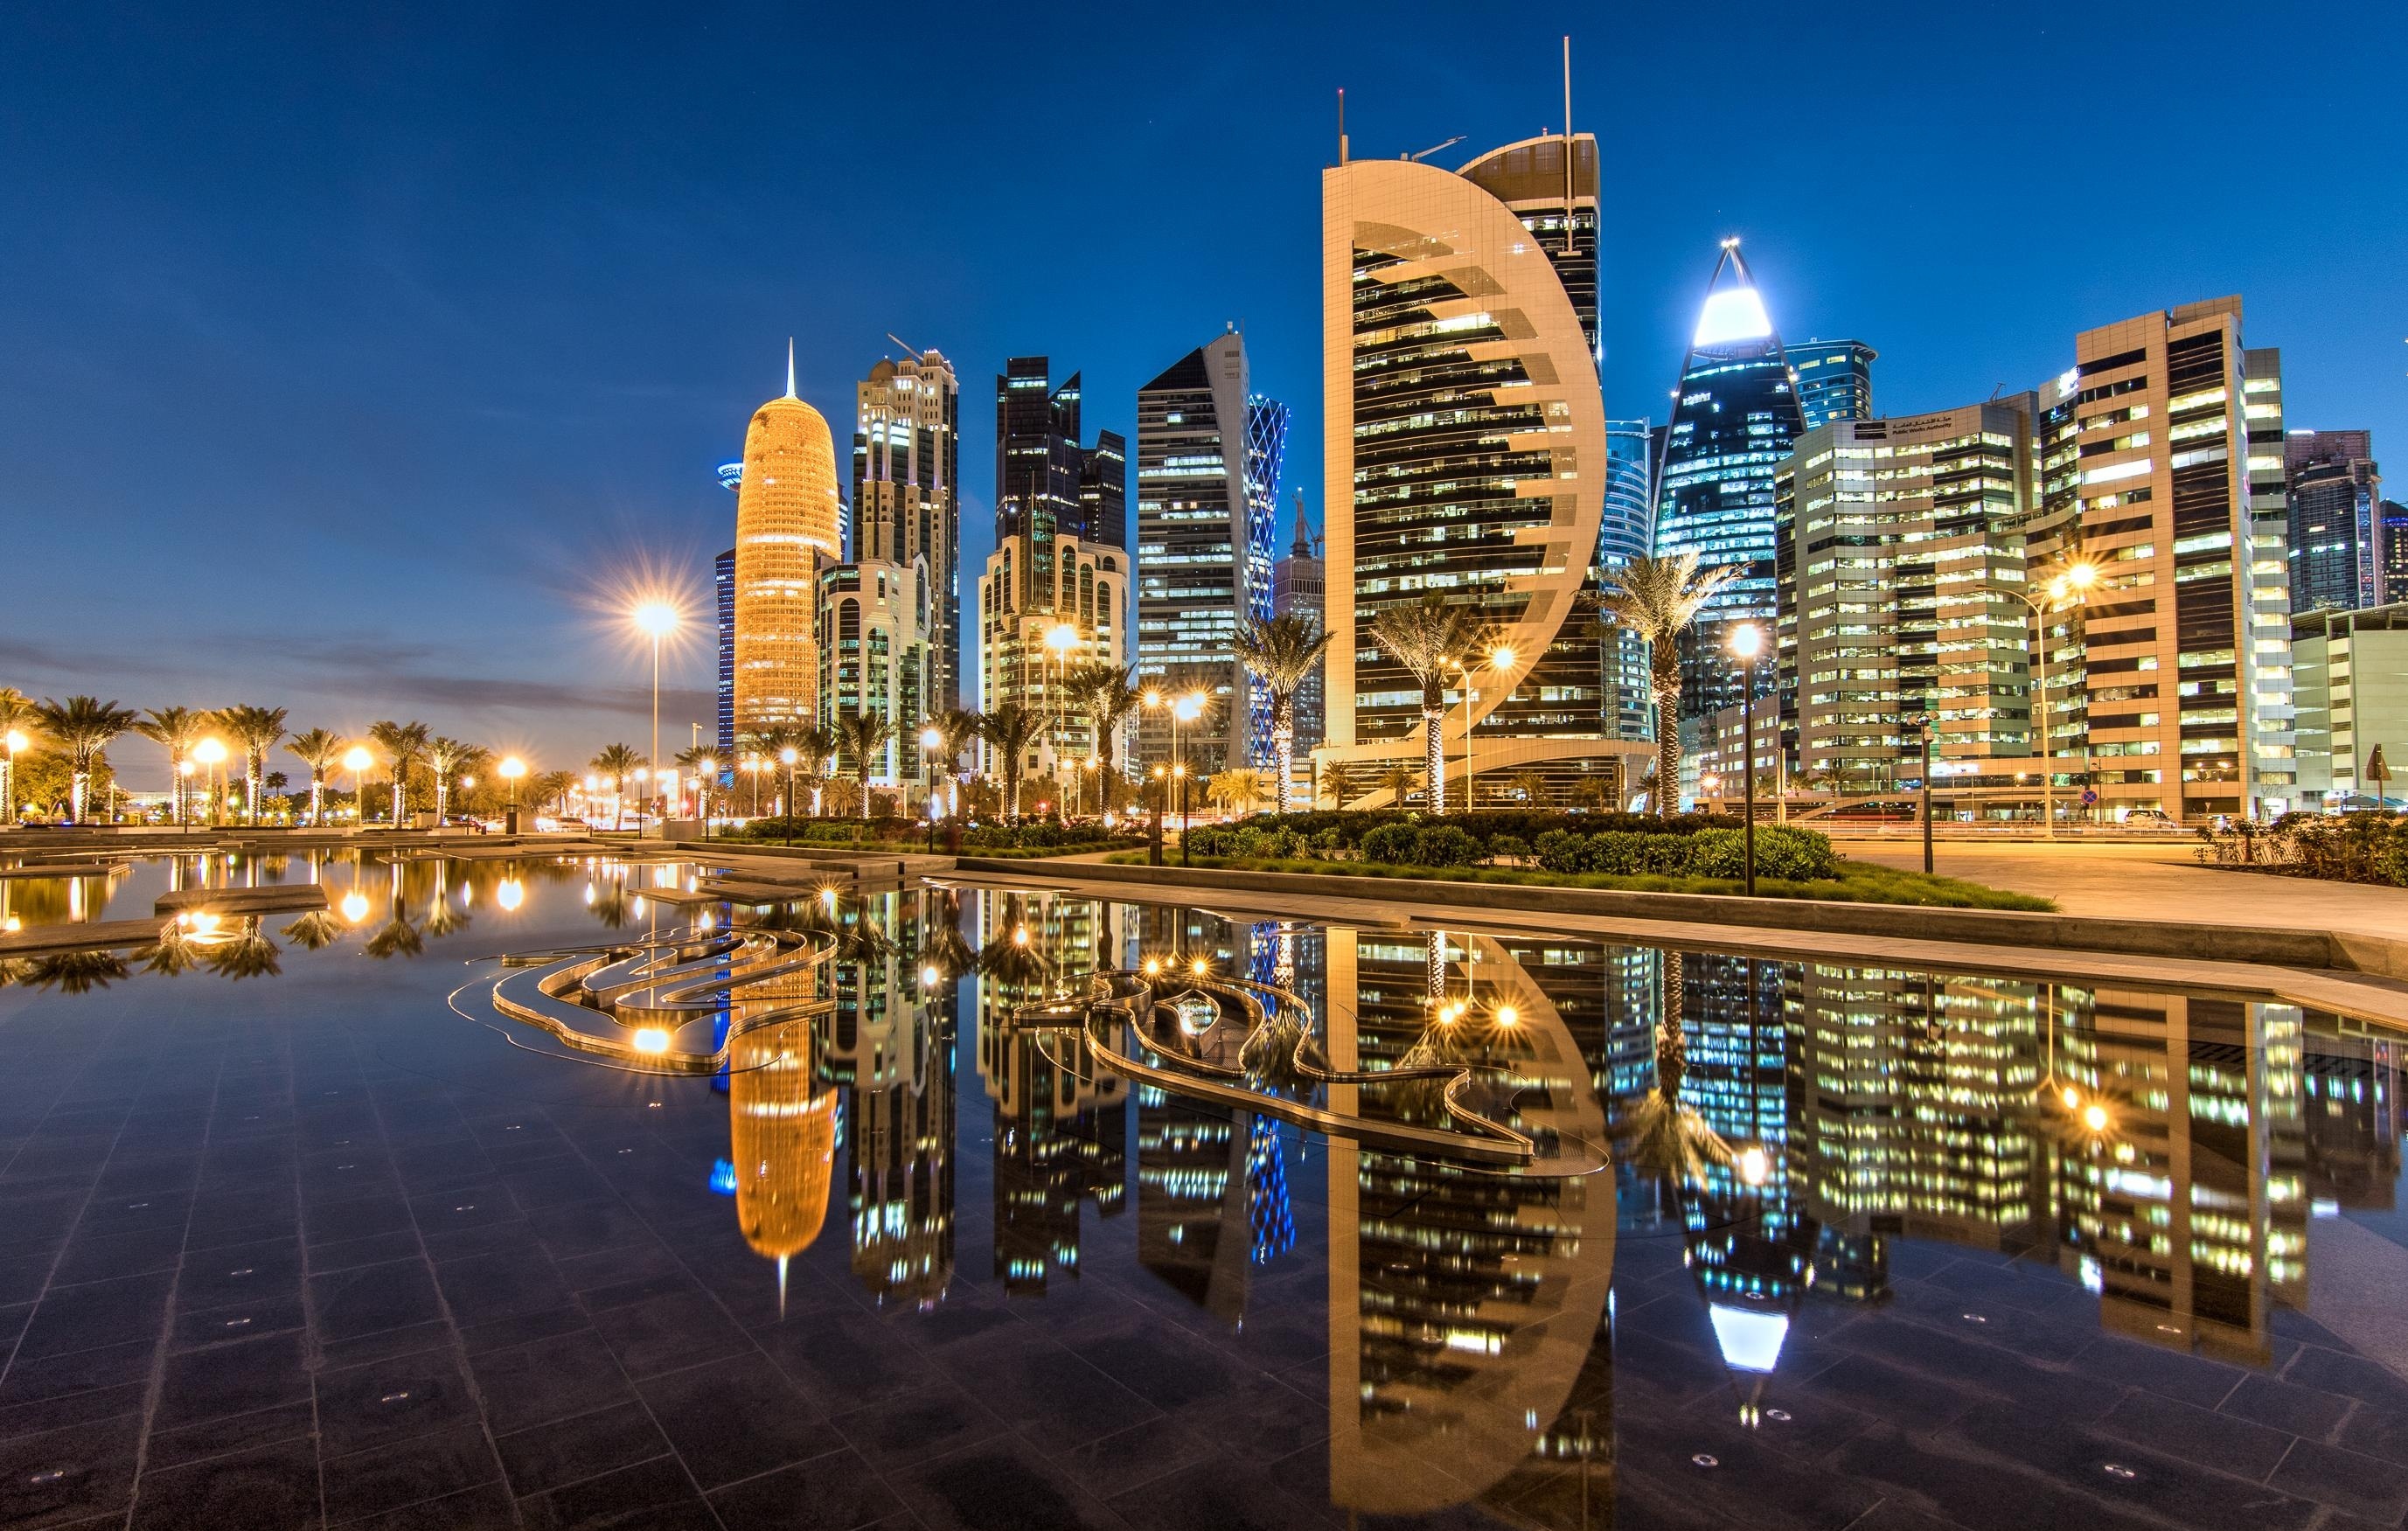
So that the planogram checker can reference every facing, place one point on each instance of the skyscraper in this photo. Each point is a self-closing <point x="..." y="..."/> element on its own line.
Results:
<point x="907" y="488"/>
<point x="1464" y="450"/>
<point x="2336" y="492"/>
<point x="1834" y="380"/>
<point x="723" y="585"/>
<point x="876" y="658"/>
<point x="2394" y="516"/>
<point x="1734" y="419"/>
<point x="2161" y="466"/>
<point x="785" y="525"/>
<point x="1208" y="461"/>
<point x="1299" y="589"/>
<point x="1900" y="553"/>
<point x="1628" y="532"/>
<point x="1055" y="593"/>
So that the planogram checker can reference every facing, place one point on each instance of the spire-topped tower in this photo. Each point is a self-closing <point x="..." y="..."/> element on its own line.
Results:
<point x="790" y="366"/>
<point x="1734" y="419"/>
<point x="786" y="504"/>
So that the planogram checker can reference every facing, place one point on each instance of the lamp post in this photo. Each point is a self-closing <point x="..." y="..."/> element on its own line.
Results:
<point x="212" y="753"/>
<point x="1154" y="836"/>
<point x="932" y="739"/>
<point x="184" y="794"/>
<point x="658" y="620"/>
<point x="2062" y="589"/>
<point x="512" y="768"/>
<point x="357" y="760"/>
<point x="14" y="742"/>
<point x="1923" y="744"/>
<point x="1747" y="641"/>
<point x="1059" y="640"/>
<point x="1500" y="659"/>
<point x="705" y="776"/>
<point x="789" y="755"/>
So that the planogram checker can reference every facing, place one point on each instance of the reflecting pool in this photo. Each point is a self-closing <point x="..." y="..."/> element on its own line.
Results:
<point x="300" y="1227"/>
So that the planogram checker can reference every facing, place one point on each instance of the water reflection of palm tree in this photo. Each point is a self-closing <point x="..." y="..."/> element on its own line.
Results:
<point x="397" y="937"/>
<point x="316" y="930"/>
<point x="1660" y="1133"/>
<point x="247" y="954"/>
<point x="174" y="955"/>
<point x="442" y="916"/>
<point x="942" y="946"/>
<point x="73" y="972"/>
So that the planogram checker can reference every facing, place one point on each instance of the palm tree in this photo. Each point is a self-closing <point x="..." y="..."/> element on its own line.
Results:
<point x="178" y="729"/>
<point x="959" y="727"/>
<point x="446" y="757"/>
<point x="1235" y="791"/>
<point x="819" y="744"/>
<point x="18" y="715"/>
<point x="862" y="737"/>
<point x="1330" y="782"/>
<point x="618" y="761"/>
<point x="702" y="763"/>
<point x="1105" y="694"/>
<point x="83" y="726"/>
<point x="257" y="730"/>
<point x="1282" y="653"/>
<point x="1656" y="599"/>
<point x="1531" y="785"/>
<point x="1397" y="780"/>
<point x="1008" y="731"/>
<point x="319" y="748"/>
<point x="1428" y="638"/>
<point x="552" y="787"/>
<point x="402" y="744"/>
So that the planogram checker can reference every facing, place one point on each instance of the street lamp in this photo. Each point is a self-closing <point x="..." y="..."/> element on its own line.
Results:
<point x="211" y="753"/>
<point x="705" y="776"/>
<point x="2068" y="587"/>
<point x="1179" y="769"/>
<point x="1747" y="641"/>
<point x="512" y="768"/>
<point x="657" y="619"/>
<point x="932" y="739"/>
<point x="14" y="741"/>
<point x="789" y="755"/>
<point x="1500" y="659"/>
<point x="357" y="760"/>
<point x="1154" y="839"/>
<point x="1059" y="639"/>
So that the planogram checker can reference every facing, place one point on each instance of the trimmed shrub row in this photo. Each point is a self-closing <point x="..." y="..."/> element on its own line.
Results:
<point x="1620" y="844"/>
<point x="1795" y="856"/>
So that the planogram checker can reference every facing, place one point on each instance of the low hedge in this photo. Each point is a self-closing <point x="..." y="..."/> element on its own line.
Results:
<point x="1615" y="844"/>
<point x="1041" y="835"/>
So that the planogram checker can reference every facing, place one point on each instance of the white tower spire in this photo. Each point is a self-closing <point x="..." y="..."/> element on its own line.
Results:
<point x="790" y="366"/>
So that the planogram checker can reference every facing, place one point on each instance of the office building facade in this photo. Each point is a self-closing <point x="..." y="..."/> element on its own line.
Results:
<point x="1628" y="532"/>
<point x="877" y="644"/>
<point x="2352" y="674"/>
<point x="723" y="589"/>
<point x="2394" y="517"/>
<point x="1834" y="380"/>
<point x="786" y="526"/>
<point x="1465" y="452"/>
<point x="1734" y="418"/>
<point x="1207" y="460"/>
<point x="2161" y="464"/>
<point x="907" y="491"/>
<point x="1901" y="560"/>
<point x="1299" y="589"/>
<point x="2336" y="494"/>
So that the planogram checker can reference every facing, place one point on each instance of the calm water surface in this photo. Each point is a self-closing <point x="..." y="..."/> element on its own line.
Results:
<point x="295" y="1230"/>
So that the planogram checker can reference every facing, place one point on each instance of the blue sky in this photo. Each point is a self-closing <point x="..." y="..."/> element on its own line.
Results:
<point x="353" y="360"/>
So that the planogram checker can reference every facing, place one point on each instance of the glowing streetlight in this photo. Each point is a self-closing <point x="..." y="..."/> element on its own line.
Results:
<point x="932" y="739"/>
<point x="657" y="620"/>
<point x="211" y="752"/>
<point x="651" y="1039"/>
<point x="357" y="760"/>
<point x="1500" y="660"/>
<point x="2067" y="587"/>
<point x="1747" y="641"/>
<point x="788" y="756"/>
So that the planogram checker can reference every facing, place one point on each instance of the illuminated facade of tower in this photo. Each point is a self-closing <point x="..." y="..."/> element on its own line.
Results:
<point x="878" y="656"/>
<point x="1465" y="449"/>
<point x="1628" y="532"/>
<point x="1734" y="419"/>
<point x="786" y="523"/>
<point x="1299" y="589"/>
<point x="1834" y="380"/>
<point x="907" y="488"/>
<point x="1208" y="463"/>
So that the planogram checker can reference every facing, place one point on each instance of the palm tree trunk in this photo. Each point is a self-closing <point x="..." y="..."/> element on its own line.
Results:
<point x="398" y="773"/>
<point x="250" y="789"/>
<point x="317" y="800"/>
<point x="442" y="795"/>
<point x="1667" y="686"/>
<point x="81" y="784"/>
<point x="1434" y="727"/>
<point x="1282" y="752"/>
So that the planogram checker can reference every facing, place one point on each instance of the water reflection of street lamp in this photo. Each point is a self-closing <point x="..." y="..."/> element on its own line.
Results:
<point x="357" y="760"/>
<point x="1747" y="641"/>
<point x="355" y="905"/>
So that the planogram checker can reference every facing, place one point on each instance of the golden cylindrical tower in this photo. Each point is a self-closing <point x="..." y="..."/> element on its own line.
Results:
<point x="785" y="523"/>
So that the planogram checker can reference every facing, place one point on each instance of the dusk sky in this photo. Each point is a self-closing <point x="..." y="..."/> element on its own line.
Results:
<point x="359" y="360"/>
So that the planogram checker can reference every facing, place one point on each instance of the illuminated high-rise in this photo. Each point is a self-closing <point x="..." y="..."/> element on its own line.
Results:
<point x="1207" y="462"/>
<point x="1299" y="588"/>
<point x="786" y="523"/>
<point x="1466" y="454"/>
<point x="1834" y="380"/>
<point x="907" y="489"/>
<point x="1628" y="532"/>
<point x="1734" y="419"/>
<point x="2336" y="495"/>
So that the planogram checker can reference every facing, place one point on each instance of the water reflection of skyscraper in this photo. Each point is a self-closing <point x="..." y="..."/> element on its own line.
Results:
<point x="782" y="1124"/>
<point x="1060" y="1136"/>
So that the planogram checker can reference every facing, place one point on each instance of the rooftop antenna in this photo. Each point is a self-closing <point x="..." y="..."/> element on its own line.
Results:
<point x="1342" y="124"/>
<point x="1416" y="159"/>
<point x="1304" y="543"/>
<point x="790" y="366"/>
<point x="907" y="347"/>
<point x="1568" y="143"/>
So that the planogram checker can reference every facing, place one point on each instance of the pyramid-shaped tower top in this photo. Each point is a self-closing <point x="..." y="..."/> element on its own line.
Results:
<point x="1734" y="313"/>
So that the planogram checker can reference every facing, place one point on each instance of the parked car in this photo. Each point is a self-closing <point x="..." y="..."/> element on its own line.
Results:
<point x="2149" y="818"/>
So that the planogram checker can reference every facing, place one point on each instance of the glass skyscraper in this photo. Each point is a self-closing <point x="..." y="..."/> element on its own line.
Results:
<point x="907" y="491"/>
<point x="1834" y="380"/>
<point x="1733" y="422"/>
<point x="2336" y="519"/>
<point x="1208" y="464"/>
<point x="1628" y="532"/>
